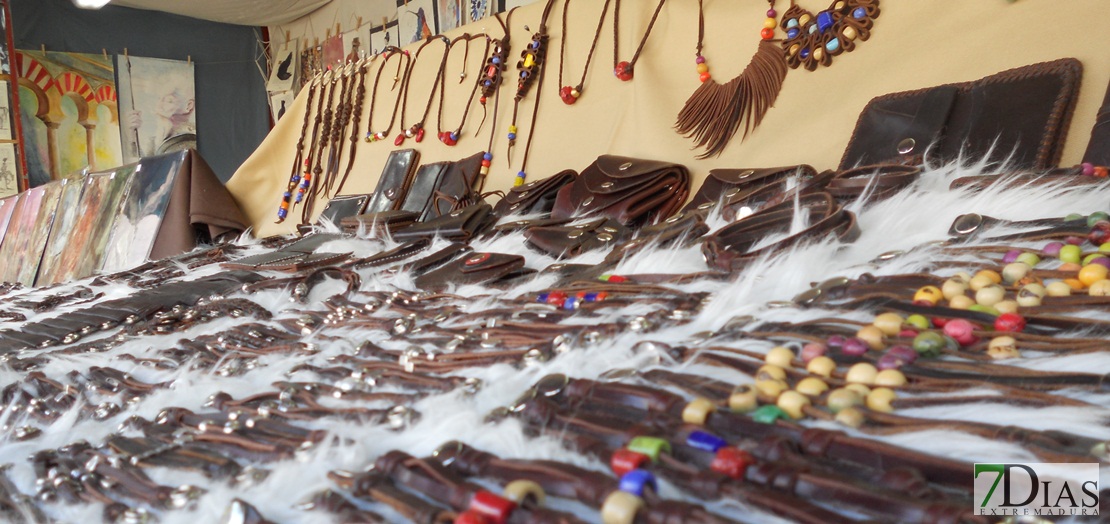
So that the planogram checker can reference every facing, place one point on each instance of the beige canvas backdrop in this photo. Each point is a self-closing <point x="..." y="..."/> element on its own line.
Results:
<point x="914" y="44"/>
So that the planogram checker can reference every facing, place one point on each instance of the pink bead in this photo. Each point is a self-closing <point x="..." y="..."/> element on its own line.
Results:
<point x="854" y="347"/>
<point x="961" y="330"/>
<point x="771" y="13"/>
<point x="701" y="60"/>
<point x="813" y="350"/>
<point x="1088" y="168"/>
<point x="1052" y="248"/>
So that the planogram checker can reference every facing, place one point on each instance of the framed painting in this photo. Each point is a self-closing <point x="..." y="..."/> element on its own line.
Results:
<point x="58" y="241"/>
<point x="7" y="205"/>
<point x="382" y="37"/>
<point x="141" y="211"/>
<point x="157" y="106"/>
<point x="284" y="67"/>
<point x="96" y="213"/>
<point x="416" y="20"/>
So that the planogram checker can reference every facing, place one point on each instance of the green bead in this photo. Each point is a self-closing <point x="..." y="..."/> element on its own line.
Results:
<point x="1105" y="248"/>
<point x="929" y="344"/>
<point x="984" y="309"/>
<point x="1070" y="253"/>
<point x="769" y="414"/>
<point x="1087" y="259"/>
<point x="1096" y="217"/>
<point x="1073" y="216"/>
<point x="650" y="446"/>
<point x="918" y="321"/>
<point x="1029" y="258"/>
<point x="950" y="344"/>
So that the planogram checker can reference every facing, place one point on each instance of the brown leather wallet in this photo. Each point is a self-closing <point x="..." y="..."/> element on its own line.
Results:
<point x="1020" y="115"/>
<point x="460" y="225"/>
<point x="475" y="268"/>
<point x="394" y="182"/>
<point x="537" y="196"/>
<point x="631" y="191"/>
<point x="738" y="184"/>
<point x="570" y="241"/>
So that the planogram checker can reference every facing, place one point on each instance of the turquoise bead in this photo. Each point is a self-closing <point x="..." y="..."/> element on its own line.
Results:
<point x="793" y="22"/>
<point x="812" y="29"/>
<point x="833" y="45"/>
<point x="768" y="414"/>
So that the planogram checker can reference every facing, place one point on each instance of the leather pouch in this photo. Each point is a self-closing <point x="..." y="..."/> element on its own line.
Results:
<point x="475" y="268"/>
<point x="438" y="259"/>
<point x="570" y="241"/>
<point x="535" y="197"/>
<point x="739" y="184"/>
<point x="1023" y="112"/>
<point x="1098" y="147"/>
<point x="683" y="227"/>
<point x="632" y="191"/>
<point x="293" y="257"/>
<point x="394" y="183"/>
<point x="443" y="187"/>
<point x="424" y="185"/>
<point x="460" y="225"/>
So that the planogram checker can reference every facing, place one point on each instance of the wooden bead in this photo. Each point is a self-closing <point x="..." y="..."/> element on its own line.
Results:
<point x="520" y="491"/>
<point x="850" y="417"/>
<point x="881" y="400"/>
<point x="771" y="388"/>
<point x="862" y="373"/>
<point x="889" y="323"/>
<point x="961" y="302"/>
<point x="929" y="294"/>
<point x="1100" y="289"/>
<point x="980" y="281"/>
<point x="697" y="411"/>
<point x="769" y="372"/>
<point x="811" y="386"/>
<point x="780" y="356"/>
<point x="1057" y="289"/>
<point x="890" y="378"/>
<point x="1007" y="306"/>
<point x="821" y="366"/>
<point x="620" y="507"/>
<point x="743" y="399"/>
<point x="990" y="295"/>
<point x="953" y="287"/>
<point x="1092" y="273"/>
<point x="859" y="389"/>
<point x="842" y="398"/>
<point x="1001" y="348"/>
<point x="871" y="335"/>
<point x="793" y="402"/>
<point x="1015" y="271"/>
<point x="702" y="68"/>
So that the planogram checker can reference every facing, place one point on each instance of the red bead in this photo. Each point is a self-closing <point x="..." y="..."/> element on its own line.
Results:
<point x="1010" y="323"/>
<point x="623" y="71"/>
<point x="399" y="140"/>
<point x="420" y="135"/>
<point x="493" y="506"/>
<point x="482" y="100"/>
<point x="485" y="163"/>
<point x="624" y="460"/>
<point x="704" y="77"/>
<point x="961" y="330"/>
<point x="732" y="462"/>
<point x="472" y="517"/>
<point x="617" y="279"/>
<point x="939" y="322"/>
<point x="1101" y="172"/>
<point x="1100" y="233"/>
<point x="767" y="33"/>
<point x="566" y="94"/>
<point x="908" y="333"/>
<point x="556" y="297"/>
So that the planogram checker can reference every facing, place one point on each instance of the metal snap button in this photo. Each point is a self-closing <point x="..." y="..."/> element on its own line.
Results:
<point x="746" y="174"/>
<point x="575" y="234"/>
<point x="588" y="201"/>
<point x="906" y="146"/>
<point x="625" y="166"/>
<point x="606" y="185"/>
<point x="605" y="237"/>
<point x="477" y="259"/>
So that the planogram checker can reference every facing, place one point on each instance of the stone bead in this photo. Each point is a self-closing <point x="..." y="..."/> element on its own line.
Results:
<point x="697" y="411"/>
<point x="1099" y="289"/>
<point x="771" y="388"/>
<point x="793" y="403"/>
<point x="872" y="336"/>
<point x="861" y="373"/>
<point x="1007" y="306"/>
<point x="1001" y="348"/>
<point x="961" y="330"/>
<point x="850" y="417"/>
<point x="953" y="287"/>
<point x="780" y="356"/>
<point x="1029" y="258"/>
<point x="860" y="389"/>
<point x="889" y="323"/>
<point x="743" y="399"/>
<point x="881" y="400"/>
<point x="1058" y="289"/>
<point x="769" y="372"/>
<point x="821" y="366"/>
<point x="1015" y="271"/>
<point x="841" y="398"/>
<point x="849" y="33"/>
<point x="961" y="302"/>
<point x="890" y="378"/>
<point x="811" y="386"/>
<point x="928" y="294"/>
<point x="1071" y="253"/>
<point x="990" y="295"/>
<point x="1092" y="273"/>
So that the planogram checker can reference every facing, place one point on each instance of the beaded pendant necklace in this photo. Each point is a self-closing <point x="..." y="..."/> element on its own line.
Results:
<point x="814" y="40"/>
<point x="569" y="94"/>
<point x="624" y="70"/>
<point x="295" y="172"/>
<point x="401" y="74"/>
<point x="416" y="130"/>
<point x="712" y="115"/>
<point x="531" y="71"/>
<point x="451" y="138"/>
<point x="490" y="82"/>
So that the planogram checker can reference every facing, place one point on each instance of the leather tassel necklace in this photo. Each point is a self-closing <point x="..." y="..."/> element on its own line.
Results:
<point x="356" y="115"/>
<point x="713" y="114"/>
<point x="398" y="76"/>
<point x="531" y="71"/>
<point x="416" y="130"/>
<point x="339" y="129"/>
<point x="569" y="94"/>
<point x="451" y="138"/>
<point x="295" y="172"/>
<point x="624" y="70"/>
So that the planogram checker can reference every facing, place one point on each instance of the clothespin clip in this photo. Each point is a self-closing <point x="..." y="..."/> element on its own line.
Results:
<point x="359" y="19"/>
<point x="105" y="51"/>
<point x="327" y="34"/>
<point x="44" y="49"/>
<point x="385" y="23"/>
<point x="287" y="36"/>
<point x="125" y="53"/>
<point x="189" y="59"/>
<point x="337" y="31"/>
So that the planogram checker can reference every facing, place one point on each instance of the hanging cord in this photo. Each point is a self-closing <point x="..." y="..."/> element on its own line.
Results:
<point x="624" y="70"/>
<point x="295" y="172"/>
<point x="389" y="52"/>
<point x="570" y="94"/>
<point x="491" y="81"/>
<point x="307" y="187"/>
<point x="339" y="130"/>
<point x="450" y="138"/>
<point x="417" y="129"/>
<point x="356" y="114"/>
<point x="306" y="177"/>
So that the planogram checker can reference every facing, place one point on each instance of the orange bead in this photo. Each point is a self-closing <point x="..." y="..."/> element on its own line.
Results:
<point x="1075" y="284"/>
<point x="1101" y="172"/>
<point x="767" y="33"/>
<point x="1092" y="273"/>
<point x="705" y="77"/>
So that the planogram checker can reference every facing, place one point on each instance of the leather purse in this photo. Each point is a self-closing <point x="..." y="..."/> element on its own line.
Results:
<point x="632" y="191"/>
<point x="443" y="187"/>
<point x="461" y="225"/>
<point x="535" y="197"/>
<point x="739" y="184"/>
<point x="570" y="241"/>
<point x="342" y="207"/>
<point x="380" y="222"/>
<point x="1020" y="115"/>
<point x="394" y="183"/>
<point x="475" y="268"/>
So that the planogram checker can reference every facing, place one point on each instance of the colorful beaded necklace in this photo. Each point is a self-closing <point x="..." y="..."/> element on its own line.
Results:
<point x="624" y="70"/>
<point x="451" y="138"/>
<point x="569" y="94"/>
<point x="815" y="40"/>
<point x="490" y="82"/>
<point x="416" y="130"/>
<point x="295" y="175"/>
<point x="531" y="71"/>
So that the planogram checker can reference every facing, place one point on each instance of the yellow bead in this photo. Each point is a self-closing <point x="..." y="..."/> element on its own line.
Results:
<point x="838" y="6"/>
<point x="1075" y="284"/>
<point x="769" y="372"/>
<point x="850" y="417"/>
<point x="1099" y="289"/>
<point x="1092" y="273"/>
<point x="993" y="275"/>
<point x="804" y="19"/>
<point x="881" y="400"/>
<point x="743" y="399"/>
<point x="529" y="60"/>
<point x="484" y="170"/>
<point x="1006" y="306"/>
<point x="697" y="411"/>
<point x="770" y="23"/>
<point x="890" y="378"/>
<point x="843" y="398"/>
<point x="794" y="49"/>
<point x="953" y="287"/>
<point x="703" y="68"/>
<point x="811" y="386"/>
<point x="521" y="490"/>
<point x="793" y="403"/>
<point x="780" y="356"/>
<point x="889" y="323"/>
<point x="859" y="389"/>
<point x="980" y="281"/>
<point x="862" y="373"/>
<point x="512" y="129"/>
<point x="621" y="507"/>
<point x="930" y="294"/>
<point x="819" y="53"/>
<point x="821" y="366"/>
<point x="518" y="182"/>
<point x="961" y="302"/>
<point x="771" y="388"/>
<point x="1015" y="271"/>
<point x="872" y="335"/>
<point x="849" y="33"/>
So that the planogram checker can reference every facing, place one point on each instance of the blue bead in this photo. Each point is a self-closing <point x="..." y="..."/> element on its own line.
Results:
<point x="287" y="194"/>
<point x="454" y="136"/>
<point x="524" y="74"/>
<point x="300" y="196"/>
<point x="570" y="303"/>
<point x="792" y="33"/>
<point x="792" y="23"/>
<point x="636" y="480"/>
<point x="859" y="12"/>
<point x="487" y="83"/>
<point x="512" y="136"/>
<point x="705" y="441"/>
<point x="805" y="53"/>
<point x="487" y="156"/>
<point x="282" y="213"/>
<point x="496" y="60"/>
<point x="591" y="297"/>
<point x="542" y="297"/>
<point x="824" y="20"/>
<point x="833" y="45"/>
<point x="520" y="174"/>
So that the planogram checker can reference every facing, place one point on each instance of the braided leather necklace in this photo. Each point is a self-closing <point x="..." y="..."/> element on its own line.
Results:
<point x="569" y="94"/>
<point x="295" y="172"/>
<point x="389" y="52"/>
<point x="330" y="120"/>
<point x="490" y="82"/>
<point x="356" y="114"/>
<point x="531" y="70"/>
<point x="451" y="138"/>
<point x="416" y="130"/>
<point x="814" y="40"/>
<point x="624" y="70"/>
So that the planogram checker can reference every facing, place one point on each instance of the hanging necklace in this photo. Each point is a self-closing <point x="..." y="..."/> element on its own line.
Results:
<point x="814" y="40"/>
<point x="306" y="186"/>
<point x="490" y="82"/>
<point x="452" y="137"/>
<point x="417" y="129"/>
<point x="569" y="94"/>
<point x="389" y="52"/>
<point x="531" y="71"/>
<point x="713" y="114"/>
<point x="313" y="151"/>
<point x="339" y="128"/>
<point x="356" y="115"/>
<point x="624" y="70"/>
<point x="295" y="172"/>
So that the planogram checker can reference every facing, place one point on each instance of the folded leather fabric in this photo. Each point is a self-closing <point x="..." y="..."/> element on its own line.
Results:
<point x="631" y="191"/>
<point x="395" y="180"/>
<point x="535" y="197"/>
<point x="1020" y="115"/>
